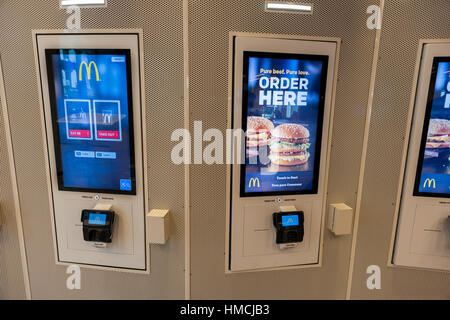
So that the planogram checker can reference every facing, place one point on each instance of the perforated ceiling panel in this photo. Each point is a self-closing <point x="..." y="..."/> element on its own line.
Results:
<point x="11" y="276"/>
<point x="163" y="44"/>
<point x="395" y="74"/>
<point x="210" y="23"/>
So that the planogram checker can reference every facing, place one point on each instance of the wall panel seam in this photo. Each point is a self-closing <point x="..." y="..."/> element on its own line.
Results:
<point x="364" y="154"/>
<point x="187" y="204"/>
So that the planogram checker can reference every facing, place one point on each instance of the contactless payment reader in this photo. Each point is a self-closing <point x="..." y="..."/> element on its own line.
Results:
<point x="93" y="120"/>
<point x="422" y="236"/>
<point x="290" y="228"/>
<point x="282" y="101"/>
<point x="97" y="226"/>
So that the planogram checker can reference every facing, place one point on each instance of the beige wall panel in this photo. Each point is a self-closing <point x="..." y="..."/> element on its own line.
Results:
<point x="404" y="23"/>
<point x="210" y="23"/>
<point x="161" y="22"/>
<point x="12" y="284"/>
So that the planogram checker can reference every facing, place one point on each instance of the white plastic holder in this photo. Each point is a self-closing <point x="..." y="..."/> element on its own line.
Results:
<point x="158" y="226"/>
<point x="340" y="219"/>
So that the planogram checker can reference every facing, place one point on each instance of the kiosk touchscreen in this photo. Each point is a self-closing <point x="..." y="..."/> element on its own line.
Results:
<point x="283" y="118"/>
<point x="282" y="97"/>
<point x="93" y="120"/>
<point x="423" y="236"/>
<point x="433" y="169"/>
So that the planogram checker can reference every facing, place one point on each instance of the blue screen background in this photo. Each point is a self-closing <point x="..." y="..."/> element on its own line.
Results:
<point x="90" y="160"/>
<point x="436" y="163"/>
<point x="285" y="179"/>
<point x="288" y="221"/>
<point x="97" y="218"/>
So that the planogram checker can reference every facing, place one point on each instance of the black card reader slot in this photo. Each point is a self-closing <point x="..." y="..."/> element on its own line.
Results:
<point x="97" y="225"/>
<point x="289" y="226"/>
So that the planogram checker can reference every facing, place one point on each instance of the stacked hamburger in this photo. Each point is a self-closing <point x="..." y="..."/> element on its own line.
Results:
<point x="438" y="134"/>
<point x="258" y="134"/>
<point x="289" y="145"/>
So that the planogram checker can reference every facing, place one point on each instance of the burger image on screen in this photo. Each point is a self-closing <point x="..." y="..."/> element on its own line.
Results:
<point x="438" y="134"/>
<point x="289" y="145"/>
<point x="258" y="134"/>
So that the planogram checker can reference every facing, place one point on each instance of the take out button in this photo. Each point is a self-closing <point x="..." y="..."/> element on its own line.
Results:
<point x="114" y="135"/>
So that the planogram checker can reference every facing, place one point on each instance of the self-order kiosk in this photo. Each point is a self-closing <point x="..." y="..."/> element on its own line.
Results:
<point x="423" y="231"/>
<point x="91" y="96"/>
<point x="281" y="99"/>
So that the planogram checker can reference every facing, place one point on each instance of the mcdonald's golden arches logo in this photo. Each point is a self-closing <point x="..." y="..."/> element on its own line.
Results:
<point x="88" y="70"/>
<point x="255" y="182"/>
<point x="429" y="182"/>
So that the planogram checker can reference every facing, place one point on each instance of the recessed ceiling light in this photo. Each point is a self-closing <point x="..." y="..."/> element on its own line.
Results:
<point x="66" y="3"/>
<point x="292" y="7"/>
